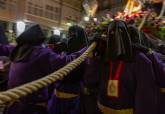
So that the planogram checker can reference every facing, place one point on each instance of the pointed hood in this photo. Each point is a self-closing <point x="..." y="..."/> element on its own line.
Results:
<point x="118" y="42"/>
<point x="141" y="38"/>
<point x="32" y="36"/>
<point x="78" y="39"/>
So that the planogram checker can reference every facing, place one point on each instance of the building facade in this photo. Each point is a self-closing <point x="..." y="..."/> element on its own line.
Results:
<point x="110" y="6"/>
<point x="48" y="13"/>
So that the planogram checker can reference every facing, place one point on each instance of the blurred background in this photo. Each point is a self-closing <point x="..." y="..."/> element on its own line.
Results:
<point x="55" y="16"/>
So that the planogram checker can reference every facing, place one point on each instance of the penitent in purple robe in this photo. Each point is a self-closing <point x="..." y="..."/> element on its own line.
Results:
<point x="137" y="90"/>
<point x="70" y="84"/>
<point x="90" y="86"/>
<point x="38" y="64"/>
<point x="66" y="98"/>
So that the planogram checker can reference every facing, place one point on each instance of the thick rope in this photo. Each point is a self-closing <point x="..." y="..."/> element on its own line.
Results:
<point x="143" y="22"/>
<point x="146" y="16"/>
<point x="162" y="11"/>
<point x="14" y="94"/>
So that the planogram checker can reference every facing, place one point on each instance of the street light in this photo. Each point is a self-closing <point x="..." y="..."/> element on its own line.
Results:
<point x="95" y="19"/>
<point x="69" y="24"/>
<point x="20" y="25"/>
<point x="86" y="18"/>
<point x="56" y="32"/>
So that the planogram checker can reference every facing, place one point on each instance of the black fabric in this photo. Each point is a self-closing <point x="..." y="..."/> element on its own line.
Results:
<point x="147" y="41"/>
<point x="139" y="47"/>
<point x="21" y="52"/>
<point x="162" y="57"/>
<point x="134" y="34"/>
<point x="54" y="39"/>
<point x="33" y="36"/>
<point x="77" y="39"/>
<point x="3" y="38"/>
<point x="161" y="49"/>
<point x="59" y="45"/>
<point x="144" y="40"/>
<point x="118" y="42"/>
<point x="140" y="38"/>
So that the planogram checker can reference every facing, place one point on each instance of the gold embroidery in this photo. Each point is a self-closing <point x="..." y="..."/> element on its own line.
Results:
<point x="162" y="90"/>
<point x="42" y="104"/>
<point x="108" y="110"/>
<point x="64" y="95"/>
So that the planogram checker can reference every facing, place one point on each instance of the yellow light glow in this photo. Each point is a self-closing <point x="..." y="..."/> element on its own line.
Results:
<point x="69" y="24"/>
<point x="127" y="6"/>
<point x="132" y="6"/>
<point x="86" y="18"/>
<point x="90" y="8"/>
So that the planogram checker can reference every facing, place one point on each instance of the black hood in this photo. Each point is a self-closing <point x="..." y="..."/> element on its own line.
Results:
<point x="32" y="36"/>
<point x="59" y="45"/>
<point x="54" y="39"/>
<point x="3" y="38"/>
<point x="140" y="38"/>
<point x="161" y="49"/>
<point x="77" y="39"/>
<point x="134" y="34"/>
<point x="118" y="42"/>
<point x="25" y="42"/>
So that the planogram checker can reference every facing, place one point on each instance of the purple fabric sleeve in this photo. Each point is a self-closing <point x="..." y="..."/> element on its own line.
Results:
<point x="145" y="96"/>
<point x="57" y="61"/>
<point x="5" y="50"/>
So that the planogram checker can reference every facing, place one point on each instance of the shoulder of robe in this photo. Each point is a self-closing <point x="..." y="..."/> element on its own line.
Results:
<point x="40" y="51"/>
<point x="142" y="58"/>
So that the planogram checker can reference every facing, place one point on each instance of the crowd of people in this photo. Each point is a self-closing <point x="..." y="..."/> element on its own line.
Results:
<point x="125" y="74"/>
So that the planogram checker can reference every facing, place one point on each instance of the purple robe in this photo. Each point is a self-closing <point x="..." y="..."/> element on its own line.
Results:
<point x="4" y="70"/>
<point x="90" y="86"/>
<point x="66" y="98"/>
<point x="64" y="106"/>
<point x="39" y="63"/>
<point x="5" y="50"/>
<point x="159" y="70"/>
<point x="70" y="84"/>
<point x="137" y="89"/>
